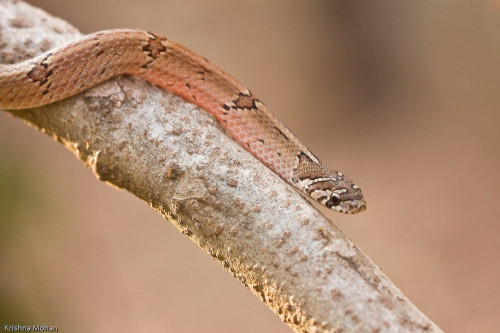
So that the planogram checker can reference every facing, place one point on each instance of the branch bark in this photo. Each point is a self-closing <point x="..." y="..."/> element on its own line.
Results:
<point x="178" y="159"/>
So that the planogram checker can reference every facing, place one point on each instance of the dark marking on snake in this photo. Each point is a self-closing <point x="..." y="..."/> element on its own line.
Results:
<point x="244" y="101"/>
<point x="303" y="155"/>
<point x="319" y="177"/>
<point x="283" y="134"/>
<point x="41" y="71"/>
<point x="154" y="48"/>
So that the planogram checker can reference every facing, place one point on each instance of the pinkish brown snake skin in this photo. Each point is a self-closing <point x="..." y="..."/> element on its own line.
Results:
<point x="71" y="69"/>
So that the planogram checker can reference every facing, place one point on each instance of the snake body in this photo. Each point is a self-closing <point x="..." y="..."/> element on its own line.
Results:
<point x="78" y="66"/>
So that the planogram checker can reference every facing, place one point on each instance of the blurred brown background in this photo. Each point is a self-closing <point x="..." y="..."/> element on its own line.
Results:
<point x="403" y="96"/>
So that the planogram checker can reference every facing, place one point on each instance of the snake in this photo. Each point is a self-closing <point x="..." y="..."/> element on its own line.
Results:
<point x="68" y="70"/>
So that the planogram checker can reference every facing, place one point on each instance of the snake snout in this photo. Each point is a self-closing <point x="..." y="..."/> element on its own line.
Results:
<point x="352" y="202"/>
<point x="361" y="206"/>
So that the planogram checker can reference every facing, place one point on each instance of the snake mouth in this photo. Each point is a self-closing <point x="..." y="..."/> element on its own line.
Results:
<point x="351" y="207"/>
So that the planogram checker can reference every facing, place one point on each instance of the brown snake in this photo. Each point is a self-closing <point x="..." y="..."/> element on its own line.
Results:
<point x="73" y="68"/>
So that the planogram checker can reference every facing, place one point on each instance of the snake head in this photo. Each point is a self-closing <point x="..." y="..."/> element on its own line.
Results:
<point x="330" y="188"/>
<point x="337" y="193"/>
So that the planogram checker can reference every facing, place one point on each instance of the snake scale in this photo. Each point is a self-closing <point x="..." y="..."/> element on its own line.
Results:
<point x="68" y="70"/>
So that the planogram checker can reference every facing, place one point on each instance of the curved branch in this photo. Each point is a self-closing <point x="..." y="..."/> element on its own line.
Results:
<point x="178" y="159"/>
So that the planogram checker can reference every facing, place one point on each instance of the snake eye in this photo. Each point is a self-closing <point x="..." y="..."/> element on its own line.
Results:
<point x="335" y="200"/>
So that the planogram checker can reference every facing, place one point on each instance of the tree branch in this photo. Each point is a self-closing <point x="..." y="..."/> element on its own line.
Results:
<point x="178" y="159"/>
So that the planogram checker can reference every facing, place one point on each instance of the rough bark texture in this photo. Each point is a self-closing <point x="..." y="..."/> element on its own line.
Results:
<point x="177" y="158"/>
